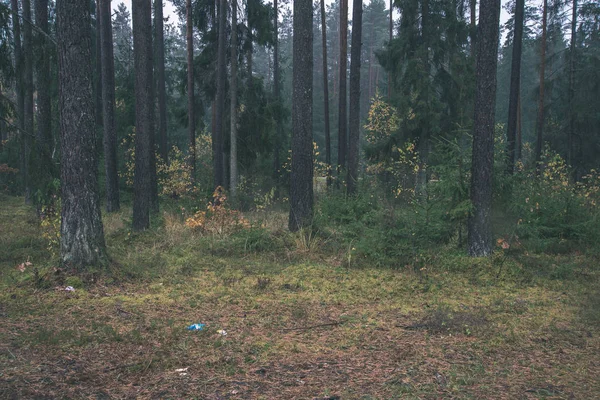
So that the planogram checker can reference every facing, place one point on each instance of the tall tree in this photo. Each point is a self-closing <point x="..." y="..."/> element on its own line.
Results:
<point x="233" y="158"/>
<point x="515" y="84"/>
<point x="190" y="86"/>
<point x="277" y="95"/>
<point x="144" y="112"/>
<point x="159" y="53"/>
<point x="28" y="116"/>
<point x="541" y="112"/>
<point x="81" y="232"/>
<point x="18" y="53"/>
<point x="342" y="112"/>
<point x="108" y="106"/>
<point x="44" y="119"/>
<point x="301" y="180"/>
<point x="479" y="224"/>
<point x="326" y="95"/>
<point x="573" y="47"/>
<point x="354" y="120"/>
<point x="390" y="73"/>
<point x="98" y="69"/>
<point x="218" y="159"/>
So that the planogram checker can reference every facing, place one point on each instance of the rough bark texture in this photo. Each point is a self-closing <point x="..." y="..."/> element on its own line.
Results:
<point x="190" y="84"/>
<point x="233" y="167"/>
<point x="473" y="27"/>
<point x="144" y="111"/>
<point x="480" y="230"/>
<point x="301" y="181"/>
<point x="159" y="45"/>
<point x="354" y="118"/>
<point x="28" y="116"/>
<point x="573" y="47"/>
<point x="342" y="112"/>
<point x="44" y="118"/>
<point x="81" y="232"/>
<point x="326" y="94"/>
<point x="515" y="85"/>
<point x="390" y="74"/>
<point x="540" y="113"/>
<point x="108" y="107"/>
<point x="218" y="160"/>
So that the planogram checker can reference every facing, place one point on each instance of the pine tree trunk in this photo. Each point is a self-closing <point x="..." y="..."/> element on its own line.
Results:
<point x="354" y="120"/>
<point x="81" y="233"/>
<point x="233" y="167"/>
<point x="98" y="69"/>
<point x="391" y="74"/>
<point x="301" y="180"/>
<point x="190" y="88"/>
<point x="342" y="112"/>
<point x="44" y="125"/>
<point x="28" y="116"/>
<point x="473" y="27"/>
<point x="515" y="84"/>
<point x="326" y="95"/>
<point x="108" y="107"/>
<point x="159" y="45"/>
<point x="19" y="88"/>
<point x="573" y="48"/>
<point x="144" y="112"/>
<point x="276" y="89"/>
<point x="519" y="131"/>
<point x="479" y="224"/>
<point x="540" y="114"/>
<point x="218" y="159"/>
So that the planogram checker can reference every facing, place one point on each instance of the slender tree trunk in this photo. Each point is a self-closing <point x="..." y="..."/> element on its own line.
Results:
<point x="159" y="46"/>
<point x="28" y="91"/>
<point x="354" y="123"/>
<point x="276" y="82"/>
<point x="98" y="69"/>
<point x="480" y="239"/>
<point x="473" y="26"/>
<point x="515" y="84"/>
<point x="190" y="85"/>
<point x="81" y="233"/>
<point x="218" y="159"/>
<point x="233" y="158"/>
<point x="108" y="107"/>
<point x="519" y="131"/>
<point x="326" y="95"/>
<point x="540" y="114"/>
<point x="573" y="48"/>
<point x="301" y="182"/>
<point x="18" y="52"/>
<point x="342" y="112"/>
<point x="391" y="74"/>
<point x="144" y="111"/>
<point x="44" y="126"/>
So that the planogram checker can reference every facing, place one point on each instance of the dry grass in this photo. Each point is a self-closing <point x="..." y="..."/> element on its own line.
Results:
<point x="296" y="329"/>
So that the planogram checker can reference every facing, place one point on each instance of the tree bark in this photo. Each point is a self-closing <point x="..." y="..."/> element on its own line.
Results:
<point x="515" y="84"/>
<point x="342" y="112"/>
<point x="573" y="48"/>
<point x="301" y="181"/>
<point x="233" y="159"/>
<point x="98" y="70"/>
<point x="108" y="107"/>
<point x="44" y="125"/>
<point x="28" y="116"/>
<point x="276" y="89"/>
<point x="540" y="113"/>
<point x="354" y="120"/>
<point x="190" y="88"/>
<point x="218" y="159"/>
<point x="473" y="27"/>
<point x="18" y="52"/>
<point x="326" y="95"/>
<point x="390" y="74"/>
<point x="81" y="233"/>
<point x="479" y="224"/>
<point x="144" y="112"/>
<point x="159" y="45"/>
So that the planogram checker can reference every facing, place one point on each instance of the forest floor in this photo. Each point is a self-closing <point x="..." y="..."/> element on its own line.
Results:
<point x="300" y="324"/>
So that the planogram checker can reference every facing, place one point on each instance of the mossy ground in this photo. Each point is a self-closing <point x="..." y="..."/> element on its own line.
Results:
<point x="301" y="321"/>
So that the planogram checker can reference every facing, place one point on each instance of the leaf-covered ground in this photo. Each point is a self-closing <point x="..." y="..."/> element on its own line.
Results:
<point x="300" y="323"/>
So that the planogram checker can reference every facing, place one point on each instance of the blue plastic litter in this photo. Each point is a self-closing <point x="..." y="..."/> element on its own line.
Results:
<point x="196" y="327"/>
